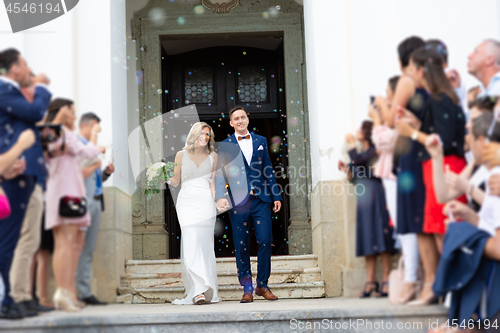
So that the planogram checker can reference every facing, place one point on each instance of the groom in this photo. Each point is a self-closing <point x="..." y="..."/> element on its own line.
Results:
<point x="245" y="164"/>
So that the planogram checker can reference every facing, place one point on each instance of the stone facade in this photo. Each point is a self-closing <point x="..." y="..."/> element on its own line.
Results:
<point x="245" y="20"/>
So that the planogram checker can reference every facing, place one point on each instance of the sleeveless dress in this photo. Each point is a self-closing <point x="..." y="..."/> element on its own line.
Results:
<point x="197" y="213"/>
<point x="408" y="169"/>
<point x="373" y="230"/>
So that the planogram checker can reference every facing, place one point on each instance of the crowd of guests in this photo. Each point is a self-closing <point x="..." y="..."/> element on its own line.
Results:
<point x="428" y="158"/>
<point x="51" y="194"/>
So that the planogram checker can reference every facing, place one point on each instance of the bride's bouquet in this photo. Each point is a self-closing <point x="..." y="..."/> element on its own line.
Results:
<point x="156" y="175"/>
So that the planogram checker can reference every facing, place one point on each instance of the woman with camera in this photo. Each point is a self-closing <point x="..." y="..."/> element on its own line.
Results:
<point x="66" y="212"/>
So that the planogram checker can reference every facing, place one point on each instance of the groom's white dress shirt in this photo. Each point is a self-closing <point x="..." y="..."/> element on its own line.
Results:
<point x="246" y="146"/>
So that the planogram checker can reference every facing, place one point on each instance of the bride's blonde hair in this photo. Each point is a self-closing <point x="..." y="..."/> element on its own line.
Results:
<point x="194" y="135"/>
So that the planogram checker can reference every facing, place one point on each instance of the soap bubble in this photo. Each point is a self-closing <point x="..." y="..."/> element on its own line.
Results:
<point x="181" y="20"/>
<point x="157" y="16"/>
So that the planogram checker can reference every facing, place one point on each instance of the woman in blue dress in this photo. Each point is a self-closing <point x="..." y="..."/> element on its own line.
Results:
<point x="373" y="229"/>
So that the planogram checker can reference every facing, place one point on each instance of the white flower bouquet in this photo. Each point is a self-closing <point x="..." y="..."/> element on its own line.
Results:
<point x="156" y="174"/>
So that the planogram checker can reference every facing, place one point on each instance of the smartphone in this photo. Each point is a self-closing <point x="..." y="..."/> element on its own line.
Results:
<point x="372" y="99"/>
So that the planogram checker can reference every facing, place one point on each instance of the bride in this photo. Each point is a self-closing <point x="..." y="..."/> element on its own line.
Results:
<point x="195" y="166"/>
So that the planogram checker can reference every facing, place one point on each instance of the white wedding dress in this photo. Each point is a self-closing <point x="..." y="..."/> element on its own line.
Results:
<point x="197" y="213"/>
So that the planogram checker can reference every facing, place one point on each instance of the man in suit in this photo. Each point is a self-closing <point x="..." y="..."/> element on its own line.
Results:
<point x="94" y="177"/>
<point x="244" y="160"/>
<point x="16" y="115"/>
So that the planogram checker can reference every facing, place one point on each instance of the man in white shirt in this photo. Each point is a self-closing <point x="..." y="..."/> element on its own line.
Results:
<point x="488" y="218"/>
<point x="484" y="64"/>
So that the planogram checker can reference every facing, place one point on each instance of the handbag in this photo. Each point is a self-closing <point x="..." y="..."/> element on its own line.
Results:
<point x="396" y="282"/>
<point x="71" y="206"/>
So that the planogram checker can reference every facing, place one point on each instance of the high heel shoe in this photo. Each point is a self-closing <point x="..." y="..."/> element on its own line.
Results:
<point x="410" y="296"/>
<point x="365" y="294"/>
<point x="63" y="301"/>
<point x="381" y="293"/>
<point x="430" y="299"/>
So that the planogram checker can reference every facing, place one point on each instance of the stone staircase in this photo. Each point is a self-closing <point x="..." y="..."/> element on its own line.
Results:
<point x="160" y="281"/>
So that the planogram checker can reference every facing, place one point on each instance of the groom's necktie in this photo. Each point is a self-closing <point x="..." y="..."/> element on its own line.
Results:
<point x="243" y="137"/>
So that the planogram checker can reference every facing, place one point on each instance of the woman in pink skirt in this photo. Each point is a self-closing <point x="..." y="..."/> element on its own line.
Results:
<point x="65" y="178"/>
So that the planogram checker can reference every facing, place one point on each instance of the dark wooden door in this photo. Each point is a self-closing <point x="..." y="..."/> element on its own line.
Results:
<point x="215" y="80"/>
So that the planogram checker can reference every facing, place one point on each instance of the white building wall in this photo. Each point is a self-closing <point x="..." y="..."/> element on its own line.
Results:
<point x="84" y="54"/>
<point x="351" y="52"/>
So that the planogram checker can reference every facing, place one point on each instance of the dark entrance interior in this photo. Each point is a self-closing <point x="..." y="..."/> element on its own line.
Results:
<point x="215" y="79"/>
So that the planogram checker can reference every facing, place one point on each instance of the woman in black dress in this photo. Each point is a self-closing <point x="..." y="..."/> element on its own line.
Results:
<point x="373" y="229"/>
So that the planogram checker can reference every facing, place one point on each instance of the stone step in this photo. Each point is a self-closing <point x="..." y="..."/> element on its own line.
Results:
<point x="223" y="264"/>
<point x="294" y="315"/>
<point x="229" y="292"/>
<point x="145" y="280"/>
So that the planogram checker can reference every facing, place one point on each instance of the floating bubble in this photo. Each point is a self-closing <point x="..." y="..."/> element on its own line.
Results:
<point x="406" y="181"/>
<point x="159" y="91"/>
<point x="157" y="15"/>
<point x="199" y="10"/>
<point x="181" y="20"/>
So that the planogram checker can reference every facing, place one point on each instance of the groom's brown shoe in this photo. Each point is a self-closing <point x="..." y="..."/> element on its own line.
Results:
<point x="266" y="293"/>
<point x="247" y="297"/>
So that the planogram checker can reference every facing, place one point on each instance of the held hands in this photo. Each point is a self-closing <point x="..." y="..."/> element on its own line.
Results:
<point x="26" y="139"/>
<point x="222" y="204"/>
<point x="434" y="146"/>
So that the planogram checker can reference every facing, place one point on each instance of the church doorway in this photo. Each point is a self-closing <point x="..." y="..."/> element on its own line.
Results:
<point x="216" y="78"/>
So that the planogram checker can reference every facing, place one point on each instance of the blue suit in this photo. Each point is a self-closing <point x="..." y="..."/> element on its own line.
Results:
<point x="466" y="273"/>
<point x="241" y="178"/>
<point x="16" y="115"/>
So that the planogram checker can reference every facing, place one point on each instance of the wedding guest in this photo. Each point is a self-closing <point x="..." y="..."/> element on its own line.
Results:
<point x="21" y="276"/>
<point x="66" y="180"/>
<point x="444" y="116"/>
<point x="373" y="232"/>
<point x="384" y="139"/>
<point x="479" y="263"/>
<point x="410" y="190"/>
<point x="10" y="167"/>
<point x="452" y="74"/>
<point x="471" y="181"/>
<point x="94" y="177"/>
<point x="484" y="64"/>
<point x="17" y="115"/>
